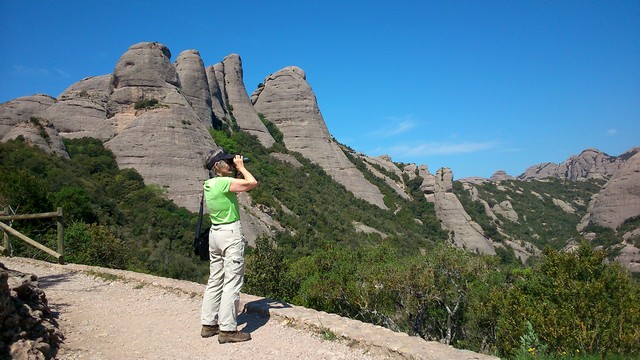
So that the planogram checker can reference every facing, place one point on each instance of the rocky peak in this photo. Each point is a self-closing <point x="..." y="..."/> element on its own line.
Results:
<point x="288" y="101"/>
<point x="146" y="64"/>
<point x="194" y="84"/>
<point x="444" y="180"/>
<point x="501" y="175"/>
<point x="465" y="233"/>
<point x="589" y="164"/>
<point x="215" y="77"/>
<point x="238" y="101"/>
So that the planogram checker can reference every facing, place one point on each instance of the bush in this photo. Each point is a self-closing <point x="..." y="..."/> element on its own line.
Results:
<point x="573" y="301"/>
<point x="145" y="104"/>
<point x="94" y="245"/>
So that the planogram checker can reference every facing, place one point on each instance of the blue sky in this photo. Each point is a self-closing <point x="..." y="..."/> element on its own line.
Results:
<point x="476" y="86"/>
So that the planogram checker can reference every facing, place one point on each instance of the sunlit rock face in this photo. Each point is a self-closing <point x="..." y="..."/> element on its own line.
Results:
<point x="239" y="105"/>
<point x="22" y="109"/>
<point x="194" y="84"/>
<point x="467" y="234"/>
<point x="165" y="143"/>
<point x="286" y="99"/>
<point x="590" y="164"/>
<point x="619" y="199"/>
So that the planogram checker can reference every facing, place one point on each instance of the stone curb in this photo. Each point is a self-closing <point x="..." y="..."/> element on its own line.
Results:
<point x="375" y="339"/>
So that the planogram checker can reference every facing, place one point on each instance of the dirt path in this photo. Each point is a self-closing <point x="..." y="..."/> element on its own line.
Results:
<point x="111" y="317"/>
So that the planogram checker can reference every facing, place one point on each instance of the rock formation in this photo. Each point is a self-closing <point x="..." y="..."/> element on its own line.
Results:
<point x="28" y="329"/>
<point x="215" y="77"/>
<point x="21" y="110"/>
<point x="194" y="84"/>
<point x="40" y="133"/>
<point x="501" y="175"/>
<point x="286" y="99"/>
<point x="619" y="199"/>
<point x="590" y="164"/>
<point x="506" y="209"/>
<point x="82" y="109"/>
<point x="166" y="143"/>
<point x="384" y="162"/>
<point x="467" y="234"/>
<point x="240" y="104"/>
<point x="629" y="257"/>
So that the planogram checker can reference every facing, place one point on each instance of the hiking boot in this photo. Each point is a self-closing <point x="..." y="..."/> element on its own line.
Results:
<point x="233" y="337"/>
<point x="209" y="330"/>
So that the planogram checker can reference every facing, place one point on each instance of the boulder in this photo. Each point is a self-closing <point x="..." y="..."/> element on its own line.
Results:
<point x="146" y="64"/>
<point x="629" y="257"/>
<point x="194" y="84"/>
<point x="565" y="206"/>
<point x="506" y="209"/>
<point x="243" y="111"/>
<point x="22" y="109"/>
<point x="286" y="99"/>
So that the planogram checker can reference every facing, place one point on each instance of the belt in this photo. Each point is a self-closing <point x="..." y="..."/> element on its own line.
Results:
<point x="227" y="223"/>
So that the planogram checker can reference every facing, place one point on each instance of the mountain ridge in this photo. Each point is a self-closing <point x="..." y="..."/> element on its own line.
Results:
<point x="155" y="116"/>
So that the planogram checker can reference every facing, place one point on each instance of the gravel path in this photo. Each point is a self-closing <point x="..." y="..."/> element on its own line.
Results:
<point x="123" y="315"/>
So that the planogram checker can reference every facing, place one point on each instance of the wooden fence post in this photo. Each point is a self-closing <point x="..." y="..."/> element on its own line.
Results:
<point x="5" y="238"/>
<point x="60" y="222"/>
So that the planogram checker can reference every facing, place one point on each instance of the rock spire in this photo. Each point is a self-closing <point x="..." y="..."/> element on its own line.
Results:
<point x="286" y="99"/>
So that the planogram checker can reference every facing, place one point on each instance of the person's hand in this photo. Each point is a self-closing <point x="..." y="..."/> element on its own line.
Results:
<point x="238" y="160"/>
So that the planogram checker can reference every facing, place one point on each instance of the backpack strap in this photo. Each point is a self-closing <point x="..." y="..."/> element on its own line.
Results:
<point x="199" y="223"/>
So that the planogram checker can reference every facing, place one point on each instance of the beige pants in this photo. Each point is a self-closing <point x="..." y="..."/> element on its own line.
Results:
<point x="226" y="276"/>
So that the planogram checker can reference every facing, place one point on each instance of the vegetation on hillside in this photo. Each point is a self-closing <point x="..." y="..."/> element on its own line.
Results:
<point x="407" y="280"/>
<point x="540" y="221"/>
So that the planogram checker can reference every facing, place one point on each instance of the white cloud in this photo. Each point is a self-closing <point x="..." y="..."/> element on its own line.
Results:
<point x="61" y="72"/>
<point x="36" y="71"/>
<point x="444" y="148"/>
<point x="612" y="132"/>
<point x="395" y="126"/>
<point x="21" y="69"/>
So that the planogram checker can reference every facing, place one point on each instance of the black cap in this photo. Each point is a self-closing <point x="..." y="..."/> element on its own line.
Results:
<point x="216" y="156"/>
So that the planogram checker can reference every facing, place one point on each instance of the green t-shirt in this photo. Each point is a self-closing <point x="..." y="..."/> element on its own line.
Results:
<point x="222" y="203"/>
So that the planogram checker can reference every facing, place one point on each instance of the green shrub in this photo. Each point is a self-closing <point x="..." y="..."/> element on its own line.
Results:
<point x="94" y="245"/>
<point x="573" y="301"/>
<point x="145" y="104"/>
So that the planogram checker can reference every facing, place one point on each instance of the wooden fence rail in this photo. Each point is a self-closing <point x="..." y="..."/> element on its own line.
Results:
<point x="6" y="229"/>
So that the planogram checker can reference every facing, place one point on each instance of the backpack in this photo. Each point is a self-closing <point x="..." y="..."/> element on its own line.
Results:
<point x="201" y="239"/>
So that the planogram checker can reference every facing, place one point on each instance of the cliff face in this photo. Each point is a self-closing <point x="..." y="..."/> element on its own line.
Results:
<point x="467" y="234"/>
<point x="286" y="99"/>
<point x="619" y="199"/>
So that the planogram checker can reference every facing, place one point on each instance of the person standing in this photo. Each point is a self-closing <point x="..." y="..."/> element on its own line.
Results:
<point x="226" y="247"/>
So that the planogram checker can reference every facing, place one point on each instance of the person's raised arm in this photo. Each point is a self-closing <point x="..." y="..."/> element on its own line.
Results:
<point x="247" y="183"/>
